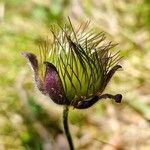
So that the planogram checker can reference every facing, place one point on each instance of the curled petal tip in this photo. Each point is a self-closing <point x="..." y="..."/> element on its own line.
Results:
<point x="115" y="68"/>
<point x="24" y="54"/>
<point x="118" y="98"/>
<point x="28" y="55"/>
<point x="110" y="74"/>
<point x="32" y="59"/>
<point x="46" y="63"/>
<point x="119" y="66"/>
<point x="49" y="65"/>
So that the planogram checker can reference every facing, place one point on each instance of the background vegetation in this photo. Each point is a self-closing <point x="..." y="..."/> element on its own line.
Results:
<point x="30" y="121"/>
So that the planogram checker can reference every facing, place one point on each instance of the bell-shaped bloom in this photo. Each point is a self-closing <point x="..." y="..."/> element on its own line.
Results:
<point x="75" y="69"/>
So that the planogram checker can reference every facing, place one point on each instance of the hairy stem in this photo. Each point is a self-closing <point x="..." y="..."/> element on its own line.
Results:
<point x="66" y="127"/>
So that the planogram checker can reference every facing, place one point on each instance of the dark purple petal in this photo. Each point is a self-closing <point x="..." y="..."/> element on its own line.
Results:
<point x="53" y="85"/>
<point x="117" y="98"/>
<point x="91" y="101"/>
<point x="86" y="103"/>
<point x="112" y="72"/>
<point x="32" y="59"/>
<point x="34" y="65"/>
<point x="109" y="76"/>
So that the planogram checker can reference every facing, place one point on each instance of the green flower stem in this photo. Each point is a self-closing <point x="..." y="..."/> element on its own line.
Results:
<point x="66" y="127"/>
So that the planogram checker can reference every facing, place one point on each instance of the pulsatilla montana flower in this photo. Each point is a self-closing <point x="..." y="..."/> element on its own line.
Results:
<point x="75" y="69"/>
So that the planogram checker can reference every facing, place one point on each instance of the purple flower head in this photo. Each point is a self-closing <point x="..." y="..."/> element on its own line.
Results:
<point x="75" y="69"/>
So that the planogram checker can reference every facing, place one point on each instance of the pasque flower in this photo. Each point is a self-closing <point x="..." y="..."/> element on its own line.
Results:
<point x="75" y="69"/>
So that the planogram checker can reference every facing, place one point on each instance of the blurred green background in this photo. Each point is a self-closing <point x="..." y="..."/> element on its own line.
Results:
<point x="31" y="121"/>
